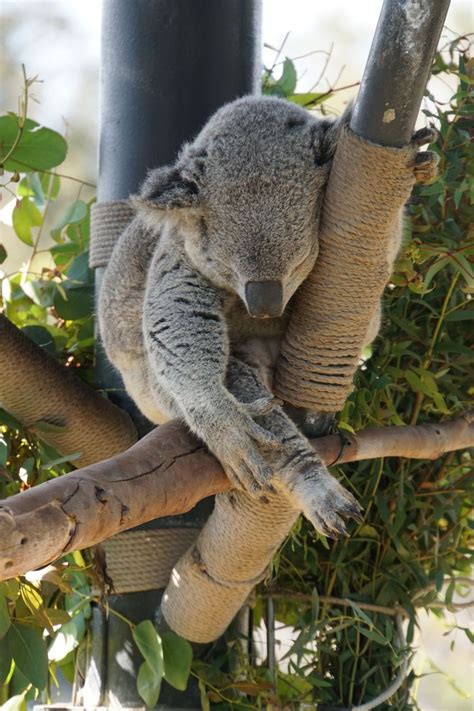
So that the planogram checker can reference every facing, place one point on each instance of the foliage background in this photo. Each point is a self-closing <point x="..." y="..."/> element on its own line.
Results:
<point x="415" y="537"/>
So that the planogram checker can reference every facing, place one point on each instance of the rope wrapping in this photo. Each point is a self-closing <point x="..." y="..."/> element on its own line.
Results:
<point x="358" y="239"/>
<point x="56" y="404"/>
<point x="211" y="582"/>
<point x="143" y="559"/>
<point x="108" y="220"/>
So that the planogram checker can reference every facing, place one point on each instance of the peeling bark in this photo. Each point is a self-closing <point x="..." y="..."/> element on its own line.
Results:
<point x="165" y="474"/>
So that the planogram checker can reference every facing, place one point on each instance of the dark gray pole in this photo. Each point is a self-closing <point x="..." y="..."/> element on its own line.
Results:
<point x="166" y="66"/>
<point x="397" y="70"/>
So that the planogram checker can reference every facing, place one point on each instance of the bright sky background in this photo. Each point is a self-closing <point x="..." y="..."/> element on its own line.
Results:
<point x="61" y="60"/>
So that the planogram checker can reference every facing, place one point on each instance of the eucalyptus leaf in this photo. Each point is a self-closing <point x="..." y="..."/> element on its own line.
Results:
<point x="26" y="216"/>
<point x="39" y="148"/>
<point x="148" y="684"/>
<point x="28" y="649"/>
<point x="149" y="643"/>
<point x="178" y="655"/>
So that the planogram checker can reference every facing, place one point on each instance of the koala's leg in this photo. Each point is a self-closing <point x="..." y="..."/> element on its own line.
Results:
<point x="186" y="341"/>
<point x="300" y="471"/>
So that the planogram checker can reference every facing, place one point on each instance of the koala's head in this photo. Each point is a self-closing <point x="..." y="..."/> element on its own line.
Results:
<point x="245" y="198"/>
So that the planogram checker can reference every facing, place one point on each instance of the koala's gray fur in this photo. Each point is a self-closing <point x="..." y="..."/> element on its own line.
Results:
<point x="241" y="205"/>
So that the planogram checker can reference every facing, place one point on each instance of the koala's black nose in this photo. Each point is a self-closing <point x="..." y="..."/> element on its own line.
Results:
<point x="264" y="299"/>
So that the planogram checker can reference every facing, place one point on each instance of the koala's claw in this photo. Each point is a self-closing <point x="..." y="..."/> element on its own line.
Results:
<point x="426" y="166"/>
<point x="424" y="135"/>
<point x="323" y="500"/>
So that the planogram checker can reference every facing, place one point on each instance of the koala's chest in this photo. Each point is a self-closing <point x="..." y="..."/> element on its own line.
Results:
<point x="257" y="341"/>
<point x="242" y="326"/>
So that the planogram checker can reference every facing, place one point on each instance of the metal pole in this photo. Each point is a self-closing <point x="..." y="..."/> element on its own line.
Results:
<point x="397" y="70"/>
<point x="389" y="99"/>
<point x="166" y="66"/>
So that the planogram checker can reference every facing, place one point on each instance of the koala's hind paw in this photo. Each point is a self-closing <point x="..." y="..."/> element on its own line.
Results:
<point x="426" y="162"/>
<point x="324" y="501"/>
<point x="426" y="166"/>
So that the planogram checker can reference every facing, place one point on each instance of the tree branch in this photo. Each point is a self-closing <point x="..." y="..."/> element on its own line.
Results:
<point x="54" y="403"/>
<point x="164" y="474"/>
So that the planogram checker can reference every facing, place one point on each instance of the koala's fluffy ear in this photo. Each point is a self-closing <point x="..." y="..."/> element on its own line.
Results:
<point x="167" y="188"/>
<point x="327" y="134"/>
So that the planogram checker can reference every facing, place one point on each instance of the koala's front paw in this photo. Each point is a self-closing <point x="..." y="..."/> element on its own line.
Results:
<point x="318" y="494"/>
<point x="242" y="446"/>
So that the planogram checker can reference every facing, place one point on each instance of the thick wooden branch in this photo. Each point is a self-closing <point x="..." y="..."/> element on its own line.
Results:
<point x="54" y="403"/>
<point x="164" y="474"/>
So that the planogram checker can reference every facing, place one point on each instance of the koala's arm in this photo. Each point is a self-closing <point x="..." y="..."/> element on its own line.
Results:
<point x="122" y="291"/>
<point x="299" y="470"/>
<point x="120" y="312"/>
<point x="187" y="346"/>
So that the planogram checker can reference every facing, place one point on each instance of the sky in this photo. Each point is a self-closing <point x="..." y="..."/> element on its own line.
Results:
<point x="65" y="58"/>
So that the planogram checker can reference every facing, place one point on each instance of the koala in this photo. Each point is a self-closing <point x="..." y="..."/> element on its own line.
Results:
<point x="194" y="301"/>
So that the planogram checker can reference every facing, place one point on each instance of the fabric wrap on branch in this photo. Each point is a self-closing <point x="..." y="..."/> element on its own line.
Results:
<point x="56" y="404"/>
<point x="108" y="221"/>
<point x="140" y="560"/>
<point x="211" y="582"/>
<point x="331" y="312"/>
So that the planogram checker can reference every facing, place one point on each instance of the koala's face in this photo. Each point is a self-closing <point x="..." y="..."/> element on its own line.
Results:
<point x="246" y="195"/>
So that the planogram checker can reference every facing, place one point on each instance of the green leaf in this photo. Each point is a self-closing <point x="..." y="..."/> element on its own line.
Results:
<point x="367" y="531"/>
<point x="149" y="643"/>
<point x="74" y="214"/>
<point x="31" y="186"/>
<point x="434" y="269"/>
<point x="41" y="336"/>
<point x="26" y="216"/>
<point x="78" y="303"/>
<point x="373" y="635"/>
<point x="289" y="78"/>
<point x="66" y="639"/>
<point x="3" y="254"/>
<point x="204" y="698"/>
<point x="308" y="100"/>
<point x="39" y="148"/>
<point x="4" y="452"/>
<point x="79" y="271"/>
<point x="148" y="684"/>
<point x="5" y="661"/>
<point x="466" y="315"/>
<point x="178" y="655"/>
<point x="360" y="613"/>
<point x="4" y="617"/>
<point x="29" y="651"/>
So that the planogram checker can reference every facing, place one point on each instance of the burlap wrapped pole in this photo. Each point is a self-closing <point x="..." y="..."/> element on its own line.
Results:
<point x="108" y="220"/>
<point x="212" y="581"/>
<point x="331" y="312"/>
